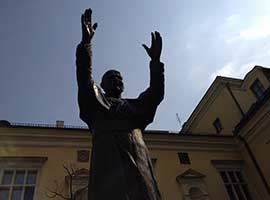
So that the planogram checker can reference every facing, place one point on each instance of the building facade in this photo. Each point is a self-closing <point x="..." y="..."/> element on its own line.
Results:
<point x="220" y="153"/>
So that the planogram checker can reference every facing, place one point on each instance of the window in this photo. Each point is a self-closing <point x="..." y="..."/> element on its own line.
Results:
<point x="231" y="173"/>
<point x="184" y="158"/>
<point x="257" y="89"/>
<point x="195" y="193"/>
<point x="218" y="126"/>
<point x="17" y="184"/>
<point x="235" y="185"/>
<point x="19" y="177"/>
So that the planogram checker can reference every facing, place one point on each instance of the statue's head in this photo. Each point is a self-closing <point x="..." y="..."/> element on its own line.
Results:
<point x="112" y="83"/>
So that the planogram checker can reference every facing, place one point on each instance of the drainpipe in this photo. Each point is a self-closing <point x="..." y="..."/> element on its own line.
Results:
<point x="255" y="162"/>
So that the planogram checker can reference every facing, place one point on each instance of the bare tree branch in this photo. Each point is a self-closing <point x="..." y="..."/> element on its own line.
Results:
<point x="67" y="170"/>
<point x="71" y="171"/>
<point x="54" y="194"/>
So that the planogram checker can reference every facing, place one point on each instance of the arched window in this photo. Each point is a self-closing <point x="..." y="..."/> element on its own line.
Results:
<point x="196" y="194"/>
<point x="193" y="186"/>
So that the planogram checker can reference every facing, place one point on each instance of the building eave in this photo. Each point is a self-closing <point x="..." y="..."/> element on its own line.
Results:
<point x="253" y="110"/>
<point x="30" y="137"/>
<point x="217" y="85"/>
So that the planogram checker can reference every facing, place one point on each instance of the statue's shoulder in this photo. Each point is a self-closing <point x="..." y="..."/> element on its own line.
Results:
<point x="100" y="96"/>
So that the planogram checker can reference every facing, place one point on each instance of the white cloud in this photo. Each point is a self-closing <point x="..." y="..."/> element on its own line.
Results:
<point x="226" y="70"/>
<point x="233" y="20"/>
<point x="197" y="74"/>
<point x="259" y="29"/>
<point x="233" y="70"/>
<point x="243" y="54"/>
<point x="190" y="46"/>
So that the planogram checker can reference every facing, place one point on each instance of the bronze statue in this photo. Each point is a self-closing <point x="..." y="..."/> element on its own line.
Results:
<point x="121" y="168"/>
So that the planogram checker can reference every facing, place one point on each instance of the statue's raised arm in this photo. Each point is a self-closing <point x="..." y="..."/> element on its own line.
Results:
<point x="154" y="94"/>
<point x="154" y="51"/>
<point x="86" y="96"/>
<point x="84" y="51"/>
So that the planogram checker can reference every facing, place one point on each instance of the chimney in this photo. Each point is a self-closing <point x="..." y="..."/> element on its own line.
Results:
<point x="59" y="124"/>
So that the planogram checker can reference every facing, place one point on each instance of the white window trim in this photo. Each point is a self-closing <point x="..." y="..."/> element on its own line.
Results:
<point x="22" y="163"/>
<point x="228" y="164"/>
<point x="234" y="166"/>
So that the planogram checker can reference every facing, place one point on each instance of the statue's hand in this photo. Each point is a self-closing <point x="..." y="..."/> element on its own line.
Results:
<point x="156" y="46"/>
<point x="88" y="30"/>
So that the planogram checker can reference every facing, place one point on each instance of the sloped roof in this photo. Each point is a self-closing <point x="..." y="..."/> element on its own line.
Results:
<point x="214" y="88"/>
<point x="254" y="108"/>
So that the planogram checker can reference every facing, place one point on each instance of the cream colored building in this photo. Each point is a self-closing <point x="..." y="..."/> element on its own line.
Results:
<point x="220" y="153"/>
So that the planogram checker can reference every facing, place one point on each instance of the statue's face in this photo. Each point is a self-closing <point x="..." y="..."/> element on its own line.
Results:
<point x="112" y="83"/>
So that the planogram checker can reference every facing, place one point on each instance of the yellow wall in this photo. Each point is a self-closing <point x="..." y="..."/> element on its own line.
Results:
<point x="222" y="107"/>
<point x="244" y="95"/>
<point x="256" y="133"/>
<point x="168" y="168"/>
<point x="52" y="168"/>
<point x="220" y="104"/>
<point x="261" y="147"/>
<point x="61" y="146"/>
<point x="254" y="181"/>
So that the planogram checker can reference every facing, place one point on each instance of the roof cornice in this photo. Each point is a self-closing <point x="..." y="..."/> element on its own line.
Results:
<point x="23" y="137"/>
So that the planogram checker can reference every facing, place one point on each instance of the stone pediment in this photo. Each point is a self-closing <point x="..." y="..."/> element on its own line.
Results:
<point x="190" y="174"/>
<point x="193" y="185"/>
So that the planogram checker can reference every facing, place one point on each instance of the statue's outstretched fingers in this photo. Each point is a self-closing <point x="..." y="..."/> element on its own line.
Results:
<point x="152" y="39"/>
<point x="146" y="49"/>
<point x="159" y="38"/>
<point x="90" y="15"/>
<point x="95" y="26"/>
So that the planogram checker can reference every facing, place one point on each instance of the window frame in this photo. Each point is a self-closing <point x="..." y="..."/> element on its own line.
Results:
<point x="184" y="158"/>
<point x="233" y="166"/>
<point x="17" y="163"/>
<point x="12" y="185"/>
<point x="241" y="185"/>
<point x="218" y="125"/>
<point x="257" y="84"/>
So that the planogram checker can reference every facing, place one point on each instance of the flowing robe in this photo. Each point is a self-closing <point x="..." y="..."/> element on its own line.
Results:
<point x="120" y="167"/>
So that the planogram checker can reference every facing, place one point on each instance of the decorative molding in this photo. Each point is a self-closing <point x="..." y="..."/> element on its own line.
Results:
<point x="80" y="139"/>
<point x="190" y="174"/>
<point x="191" y="143"/>
<point x="225" y="164"/>
<point x="251" y="130"/>
<point x="21" y="161"/>
<point x="83" y="155"/>
<point x="190" y="180"/>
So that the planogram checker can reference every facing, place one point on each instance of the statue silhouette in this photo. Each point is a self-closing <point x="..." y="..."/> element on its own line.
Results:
<point x="120" y="168"/>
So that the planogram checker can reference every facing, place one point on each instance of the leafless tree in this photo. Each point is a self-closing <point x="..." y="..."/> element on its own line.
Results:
<point x="56" y="192"/>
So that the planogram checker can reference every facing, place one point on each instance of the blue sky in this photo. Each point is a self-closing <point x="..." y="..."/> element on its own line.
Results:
<point x="202" y="39"/>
